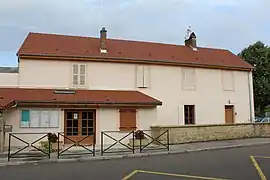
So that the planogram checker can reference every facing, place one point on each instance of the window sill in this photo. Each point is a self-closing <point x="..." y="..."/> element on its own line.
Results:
<point x="79" y="87"/>
<point x="129" y="129"/>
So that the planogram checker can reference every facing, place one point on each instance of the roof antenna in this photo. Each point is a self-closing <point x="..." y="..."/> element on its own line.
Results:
<point x="189" y="31"/>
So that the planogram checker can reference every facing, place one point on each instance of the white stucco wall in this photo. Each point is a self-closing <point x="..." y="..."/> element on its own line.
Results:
<point x="165" y="83"/>
<point x="107" y="120"/>
<point x="9" y="79"/>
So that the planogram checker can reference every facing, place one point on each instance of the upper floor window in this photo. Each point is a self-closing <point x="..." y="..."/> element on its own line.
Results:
<point x="142" y="76"/>
<point x="188" y="79"/>
<point x="79" y="74"/>
<point x="228" y="80"/>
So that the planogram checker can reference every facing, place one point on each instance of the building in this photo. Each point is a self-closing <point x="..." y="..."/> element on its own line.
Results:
<point x="85" y="85"/>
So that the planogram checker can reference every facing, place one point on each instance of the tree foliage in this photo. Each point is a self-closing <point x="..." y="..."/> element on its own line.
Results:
<point x="258" y="55"/>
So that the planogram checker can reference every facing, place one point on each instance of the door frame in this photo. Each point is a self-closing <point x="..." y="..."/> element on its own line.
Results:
<point x="233" y="112"/>
<point x="80" y="119"/>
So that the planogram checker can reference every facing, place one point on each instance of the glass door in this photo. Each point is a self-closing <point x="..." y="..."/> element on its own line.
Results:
<point x="80" y="126"/>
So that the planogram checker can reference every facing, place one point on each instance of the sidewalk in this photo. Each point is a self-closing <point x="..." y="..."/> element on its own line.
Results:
<point x="181" y="148"/>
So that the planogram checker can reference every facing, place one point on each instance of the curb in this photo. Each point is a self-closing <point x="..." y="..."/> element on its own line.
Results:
<point x="95" y="158"/>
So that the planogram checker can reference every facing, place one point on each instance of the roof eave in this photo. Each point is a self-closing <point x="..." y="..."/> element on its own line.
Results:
<point x="131" y="60"/>
<point x="157" y="103"/>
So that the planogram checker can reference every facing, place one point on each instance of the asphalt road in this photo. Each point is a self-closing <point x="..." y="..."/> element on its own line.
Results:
<point x="226" y="164"/>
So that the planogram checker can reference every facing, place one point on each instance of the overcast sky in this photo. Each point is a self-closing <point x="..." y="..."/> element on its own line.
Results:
<point x="228" y="24"/>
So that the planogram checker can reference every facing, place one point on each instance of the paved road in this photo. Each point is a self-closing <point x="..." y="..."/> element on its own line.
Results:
<point x="226" y="164"/>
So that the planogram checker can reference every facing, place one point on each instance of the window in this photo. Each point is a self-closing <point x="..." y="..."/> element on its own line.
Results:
<point x="46" y="118"/>
<point x="228" y="80"/>
<point x="188" y="79"/>
<point x="79" y="74"/>
<point x="142" y="76"/>
<point x="189" y="111"/>
<point x="127" y="119"/>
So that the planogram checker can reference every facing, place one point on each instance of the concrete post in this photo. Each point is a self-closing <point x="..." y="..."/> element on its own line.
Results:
<point x="2" y="133"/>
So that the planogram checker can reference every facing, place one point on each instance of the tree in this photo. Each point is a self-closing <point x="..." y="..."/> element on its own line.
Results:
<point x="258" y="55"/>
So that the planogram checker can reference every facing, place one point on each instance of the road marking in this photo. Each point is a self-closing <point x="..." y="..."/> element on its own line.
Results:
<point x="178" y="175"/>
<point x="261" y="174"/>
<point x="263" y="157"/>
<point x="130" y="175"/>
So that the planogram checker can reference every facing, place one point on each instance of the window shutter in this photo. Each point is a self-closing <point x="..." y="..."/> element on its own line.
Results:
<point x="79" y="74"/>
<point x="140" y="76"/>
<point x="127" y="119"/>
<point x="82" y="79"/>
<point x="75" y="69"/>
<point x="75" y="79"/>
<point x="82" y="74"/>
<point x="146" y="76"/>
<point x="82" y="69"/>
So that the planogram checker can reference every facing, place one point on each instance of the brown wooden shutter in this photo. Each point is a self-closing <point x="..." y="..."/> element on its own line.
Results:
<point x="127" y="119"/>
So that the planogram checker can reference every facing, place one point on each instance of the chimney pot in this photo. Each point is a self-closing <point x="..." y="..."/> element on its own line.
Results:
<point x="103" y="39"/>
<point x="191" y="41"/>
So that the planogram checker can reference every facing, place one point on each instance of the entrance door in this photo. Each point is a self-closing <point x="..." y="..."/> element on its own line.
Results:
<point x="80" y="125"/>
<point x="229" y="114"/>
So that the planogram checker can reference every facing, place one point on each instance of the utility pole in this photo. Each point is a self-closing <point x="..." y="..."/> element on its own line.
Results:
<point x="2" y="133"/>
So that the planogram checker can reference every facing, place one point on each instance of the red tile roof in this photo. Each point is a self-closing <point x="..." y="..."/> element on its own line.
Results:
<point x="75" y="46"/>
<point x="23" y="95"/>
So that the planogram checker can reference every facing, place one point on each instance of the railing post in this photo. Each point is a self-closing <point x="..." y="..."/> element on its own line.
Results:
<point x="101" y="143"/>
<point x="9" y="142"/>
<point x="49" y="139"/>
<point x="141" y="144"/>
<point x="168" y="140"/>
<point x="133" y="139"/>
<point x="58" y="145"/>
<point x="94" y="144"/>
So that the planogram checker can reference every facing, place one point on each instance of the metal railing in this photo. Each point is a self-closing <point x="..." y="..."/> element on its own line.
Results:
<point x="74" y="143"/>
<point x="161" y="139"/>
<point x="43" y="153"/>
<point x="129" y="148"/>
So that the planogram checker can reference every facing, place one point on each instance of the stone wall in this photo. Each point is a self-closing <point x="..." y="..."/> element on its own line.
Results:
<point x="200" y="133"/>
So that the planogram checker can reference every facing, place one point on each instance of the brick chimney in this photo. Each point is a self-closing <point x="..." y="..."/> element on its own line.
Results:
<point x="191" y="41"/>
<point x="103" y="38"/>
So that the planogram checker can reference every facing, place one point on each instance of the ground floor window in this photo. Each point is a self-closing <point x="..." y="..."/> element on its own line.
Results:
<point x="127" y="119"/>
<point x="39" y="118"/>
<point x="189" y="111"/>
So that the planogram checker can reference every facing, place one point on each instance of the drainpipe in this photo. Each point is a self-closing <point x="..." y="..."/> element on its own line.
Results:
<point x="250" y="92"/>
<point x="2" y="133"/>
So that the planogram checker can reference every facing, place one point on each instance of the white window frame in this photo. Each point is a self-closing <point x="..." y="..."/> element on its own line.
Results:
<point x="143" y="76"/>
<point x="72" y="75"/>
<point x="184" y="75"/>
<point x="39" y="118"/>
